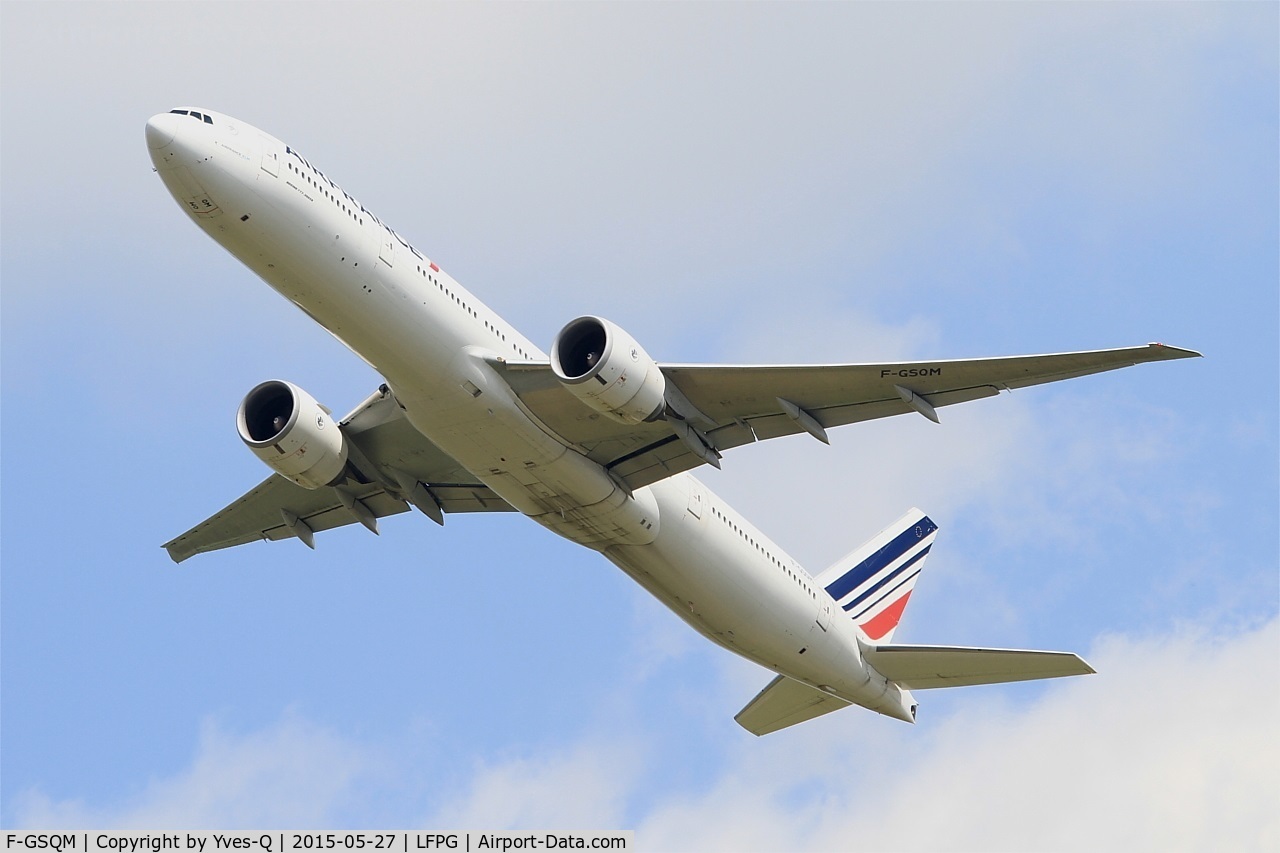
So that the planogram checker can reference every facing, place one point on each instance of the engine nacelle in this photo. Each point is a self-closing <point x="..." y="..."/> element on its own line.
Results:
<point x="287" y="429"/>
<point x="605" y="368"/>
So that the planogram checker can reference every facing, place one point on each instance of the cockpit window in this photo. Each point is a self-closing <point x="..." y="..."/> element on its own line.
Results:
<point x="195" y="115"/>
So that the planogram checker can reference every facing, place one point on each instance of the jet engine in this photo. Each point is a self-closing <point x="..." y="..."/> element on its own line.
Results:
<point x="605" y="368"/>
<point x="287" y="429"/>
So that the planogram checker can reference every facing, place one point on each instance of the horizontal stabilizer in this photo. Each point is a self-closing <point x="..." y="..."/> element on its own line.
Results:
<point x="784" y="703"/>
<point x="925" y="667"/>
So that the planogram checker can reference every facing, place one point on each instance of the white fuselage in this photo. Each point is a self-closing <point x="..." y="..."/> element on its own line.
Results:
<point x="432" y="341"/>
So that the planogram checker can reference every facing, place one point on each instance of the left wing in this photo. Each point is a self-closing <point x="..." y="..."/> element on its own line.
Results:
<point x="712" y="408"/>
<point x="382" y="444"/>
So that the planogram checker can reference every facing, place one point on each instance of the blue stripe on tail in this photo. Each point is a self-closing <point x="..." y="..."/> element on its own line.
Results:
<point x="887" y="579"/>
<point x="882" y="558"/>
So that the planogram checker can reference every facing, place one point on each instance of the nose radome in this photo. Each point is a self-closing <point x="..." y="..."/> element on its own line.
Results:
<point x="161" y="130"/>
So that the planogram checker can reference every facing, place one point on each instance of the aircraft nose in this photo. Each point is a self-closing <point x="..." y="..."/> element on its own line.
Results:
<point x="161" y="129"/>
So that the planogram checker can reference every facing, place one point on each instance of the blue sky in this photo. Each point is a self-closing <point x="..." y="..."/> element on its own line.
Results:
<point x="729" y="183"/>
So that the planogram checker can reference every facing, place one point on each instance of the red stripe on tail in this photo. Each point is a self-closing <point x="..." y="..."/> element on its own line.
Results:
<point x="884" y="621"/>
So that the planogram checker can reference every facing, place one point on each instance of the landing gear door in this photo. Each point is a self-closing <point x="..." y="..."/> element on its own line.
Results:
<point x="695" y="501"/>
<point x="387" y="248"/>
<point x="270" y="158"/>
<point x="824" y="614"/>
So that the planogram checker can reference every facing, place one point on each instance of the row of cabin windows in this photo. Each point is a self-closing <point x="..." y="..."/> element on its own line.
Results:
<point x="356" y="217"/>
<point x="195" y="115"/>
<point x="465" y="307"/>
<point x="331" y="196"/>
<point x="794" y="575"/>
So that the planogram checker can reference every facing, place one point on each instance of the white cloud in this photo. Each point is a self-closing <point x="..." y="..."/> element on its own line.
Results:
<point x="1039" y="464"/>
<point x="294" y="773"/>
<point x="1172" y="747"/>
<point x="585" y="786"/>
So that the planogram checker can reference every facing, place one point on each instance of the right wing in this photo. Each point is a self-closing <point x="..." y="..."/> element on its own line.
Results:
<point x="725" y="406"/>
<point x="377" y="434"/>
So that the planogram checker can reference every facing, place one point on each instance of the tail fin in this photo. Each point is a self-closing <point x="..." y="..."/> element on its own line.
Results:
<point x="873" y="583"/>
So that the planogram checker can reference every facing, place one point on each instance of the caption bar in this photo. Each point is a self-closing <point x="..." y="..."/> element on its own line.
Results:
<point x="296" y="842"/>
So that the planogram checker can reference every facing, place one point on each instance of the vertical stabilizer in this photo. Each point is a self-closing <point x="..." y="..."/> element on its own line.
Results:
<point x="874" y="583"/>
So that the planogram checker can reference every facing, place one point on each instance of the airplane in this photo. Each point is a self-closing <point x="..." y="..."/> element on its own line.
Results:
<point x="594" y="442"/>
